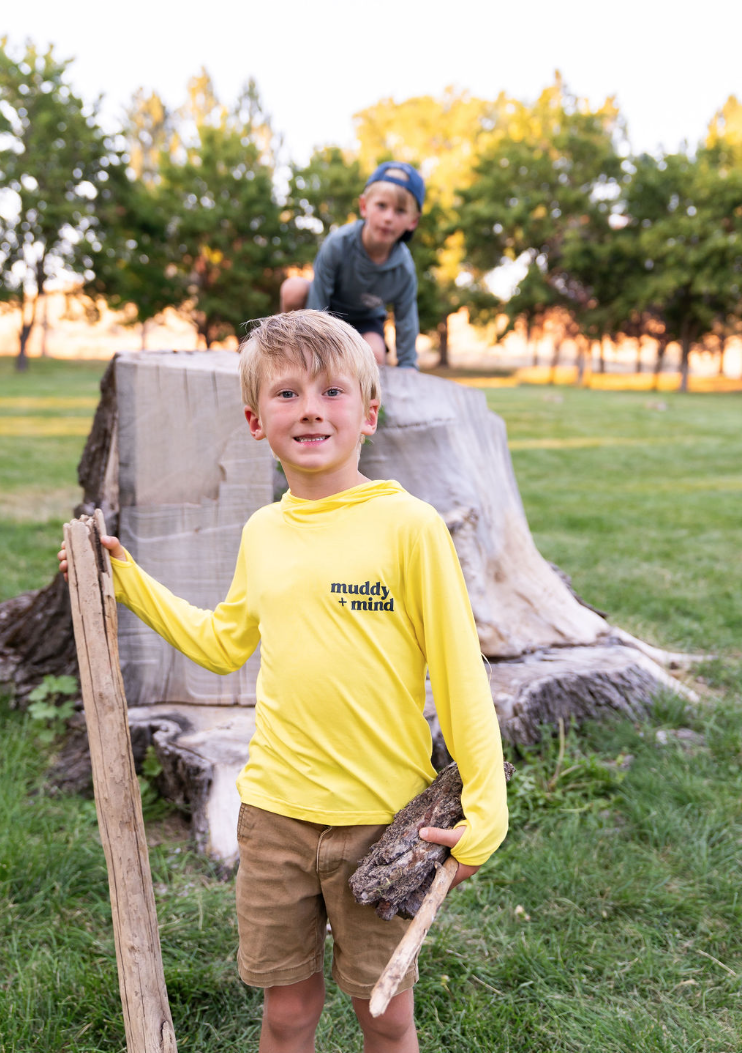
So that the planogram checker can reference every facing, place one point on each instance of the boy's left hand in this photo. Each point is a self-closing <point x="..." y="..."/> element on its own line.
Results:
<point x="450" y="838"/>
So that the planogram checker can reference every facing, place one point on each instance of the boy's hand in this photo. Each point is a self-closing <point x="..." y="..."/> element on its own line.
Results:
<point x="450" y="838"/>
<point x="113" y="545"/>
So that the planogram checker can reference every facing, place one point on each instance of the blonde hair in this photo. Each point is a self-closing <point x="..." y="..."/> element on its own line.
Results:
<point x="315" y="341"/>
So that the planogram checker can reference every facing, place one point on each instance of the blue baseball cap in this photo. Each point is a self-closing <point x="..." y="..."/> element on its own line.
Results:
<point x="414" y="181"/>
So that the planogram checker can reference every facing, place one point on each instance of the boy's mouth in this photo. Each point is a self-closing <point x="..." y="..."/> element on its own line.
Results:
<point x="308" y="439"/>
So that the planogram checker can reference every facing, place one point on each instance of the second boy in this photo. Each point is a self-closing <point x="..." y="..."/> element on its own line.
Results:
<point x="365" y="265"/>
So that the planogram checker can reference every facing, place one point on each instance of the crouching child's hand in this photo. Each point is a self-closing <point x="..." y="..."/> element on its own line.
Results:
<point x="113" y="545"/>
<point x="450" y="838"/>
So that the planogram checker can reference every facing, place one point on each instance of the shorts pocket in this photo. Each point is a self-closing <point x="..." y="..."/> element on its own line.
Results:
<point x="246" y="821"/>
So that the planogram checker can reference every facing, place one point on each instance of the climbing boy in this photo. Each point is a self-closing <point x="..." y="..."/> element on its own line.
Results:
<point x="365" y="265"/>
<point x="353" y="589"/>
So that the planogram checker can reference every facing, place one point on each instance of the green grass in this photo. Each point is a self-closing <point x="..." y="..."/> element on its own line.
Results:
<point x="610" y="919"/>
<point x="648" y="525"/>
<point x="45" y="415"/>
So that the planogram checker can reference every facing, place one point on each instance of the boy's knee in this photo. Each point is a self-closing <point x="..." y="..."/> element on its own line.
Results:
<point x="377" y="345"/>
<point x="294" y="293"/>
<point x="296" y="1008"/>
<point x="394" y="1024"/>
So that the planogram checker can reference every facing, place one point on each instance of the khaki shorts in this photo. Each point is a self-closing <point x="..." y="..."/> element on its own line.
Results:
<point x="293" y="878"/>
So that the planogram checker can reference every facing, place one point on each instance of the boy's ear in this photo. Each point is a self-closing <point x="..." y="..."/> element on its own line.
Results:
<point x="362" y="205"/>
<point x="253" y="422"/>
<point x="414" y="220"/>
<point x="372" y="418"/>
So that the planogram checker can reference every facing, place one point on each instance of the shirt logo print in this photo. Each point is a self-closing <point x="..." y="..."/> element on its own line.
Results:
<point x="376" y="597"/>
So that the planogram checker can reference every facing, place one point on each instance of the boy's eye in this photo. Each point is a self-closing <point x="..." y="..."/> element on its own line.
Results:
<point x="287" y="394"/>
<point x="333" y="391"/>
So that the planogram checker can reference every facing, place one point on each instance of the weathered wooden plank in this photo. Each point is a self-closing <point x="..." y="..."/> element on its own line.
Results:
<point x="394" y="971"/>
<point x="147" y="1019"/>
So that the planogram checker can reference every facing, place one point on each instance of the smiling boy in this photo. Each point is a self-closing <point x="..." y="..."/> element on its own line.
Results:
<point x="365" y="265"/>
<point x="353" y="589"/>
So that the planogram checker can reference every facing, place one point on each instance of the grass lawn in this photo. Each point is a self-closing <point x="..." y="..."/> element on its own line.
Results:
<point x="610" y="920"/>
<point x="45" y="416"/>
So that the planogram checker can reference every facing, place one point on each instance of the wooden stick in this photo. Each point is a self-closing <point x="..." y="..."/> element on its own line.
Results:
<point x="395" y="969"/>
<point x="147" y="1019"/>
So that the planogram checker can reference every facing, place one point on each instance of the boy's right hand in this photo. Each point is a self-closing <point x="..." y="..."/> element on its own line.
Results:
<point x="113" y="545"/>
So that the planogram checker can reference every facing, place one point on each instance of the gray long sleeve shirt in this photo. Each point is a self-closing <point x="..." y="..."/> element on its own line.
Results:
<point x="348" y="283"/>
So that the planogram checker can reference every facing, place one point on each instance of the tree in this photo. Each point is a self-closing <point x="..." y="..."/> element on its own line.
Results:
<point x="686" y="214"/>
<point x="132" y="263"/>
<point x="54" y="160"/>
<point x="542" y="193"/>
<point x="323" y="195"/>
<point x="226" y="229"/>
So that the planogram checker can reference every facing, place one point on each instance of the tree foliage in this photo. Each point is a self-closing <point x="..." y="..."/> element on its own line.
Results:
<point x="323" y="195"/>
<point x="54" y="163"/>
<point x="686" y="218"/>
<point x="184" y="209"/>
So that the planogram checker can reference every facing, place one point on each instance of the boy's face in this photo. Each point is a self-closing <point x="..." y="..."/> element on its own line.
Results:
<point x="388" y="214"/>
<point x="313" y="425"/>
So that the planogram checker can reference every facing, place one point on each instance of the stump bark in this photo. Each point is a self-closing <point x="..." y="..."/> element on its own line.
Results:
<point x="170" y="455"/>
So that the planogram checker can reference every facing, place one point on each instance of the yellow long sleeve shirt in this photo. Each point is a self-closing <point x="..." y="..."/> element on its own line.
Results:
<point x="351" y="597"/>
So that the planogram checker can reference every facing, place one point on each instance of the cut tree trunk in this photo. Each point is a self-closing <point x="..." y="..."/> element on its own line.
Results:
<point x="170" y="455"/>
<point x="147" y="1019"/>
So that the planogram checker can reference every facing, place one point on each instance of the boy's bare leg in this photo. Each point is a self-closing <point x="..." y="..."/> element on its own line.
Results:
<point x="377" y="345"/>
<point x="393" y="1031"/>
<point x="291" y="1015"/>
<point x="294" y="293"/>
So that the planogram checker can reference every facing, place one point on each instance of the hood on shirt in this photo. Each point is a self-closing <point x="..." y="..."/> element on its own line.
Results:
<point x="302" y="511"/>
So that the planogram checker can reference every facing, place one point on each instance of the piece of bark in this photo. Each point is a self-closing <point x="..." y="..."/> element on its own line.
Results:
<point x="399" y="869"/>
<point x="147" y="1019"/>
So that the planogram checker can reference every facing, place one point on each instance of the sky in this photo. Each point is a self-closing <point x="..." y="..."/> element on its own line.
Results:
<point x="670" y="64"/>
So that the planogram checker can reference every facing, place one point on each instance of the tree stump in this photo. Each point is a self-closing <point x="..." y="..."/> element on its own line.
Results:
<point x="170" y="454"/>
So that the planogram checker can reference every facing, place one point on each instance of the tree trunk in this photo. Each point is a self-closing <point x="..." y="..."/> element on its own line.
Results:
<point x="722" y="350"/>
<point x="143" y="345"/>
<point x="685" y="344"/>
<point x="581" y="344"/>
<point x="662" y="343"/>
<point x="556" y="351"/>
<point x="638" y="365"/>
<point x="44" y="326"/>
<point x="443" y="343"/>
<point x="601" y="357"/>
<point x="27" y="324"/>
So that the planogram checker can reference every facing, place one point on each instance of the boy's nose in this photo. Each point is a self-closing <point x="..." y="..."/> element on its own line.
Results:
<point x="312" y="408"/>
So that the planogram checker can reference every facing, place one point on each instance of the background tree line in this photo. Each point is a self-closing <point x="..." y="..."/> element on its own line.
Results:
<point x="194" y="209"/>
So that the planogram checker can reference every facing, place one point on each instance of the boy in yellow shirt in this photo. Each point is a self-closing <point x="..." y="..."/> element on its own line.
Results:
<point x="353" y="589"/>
